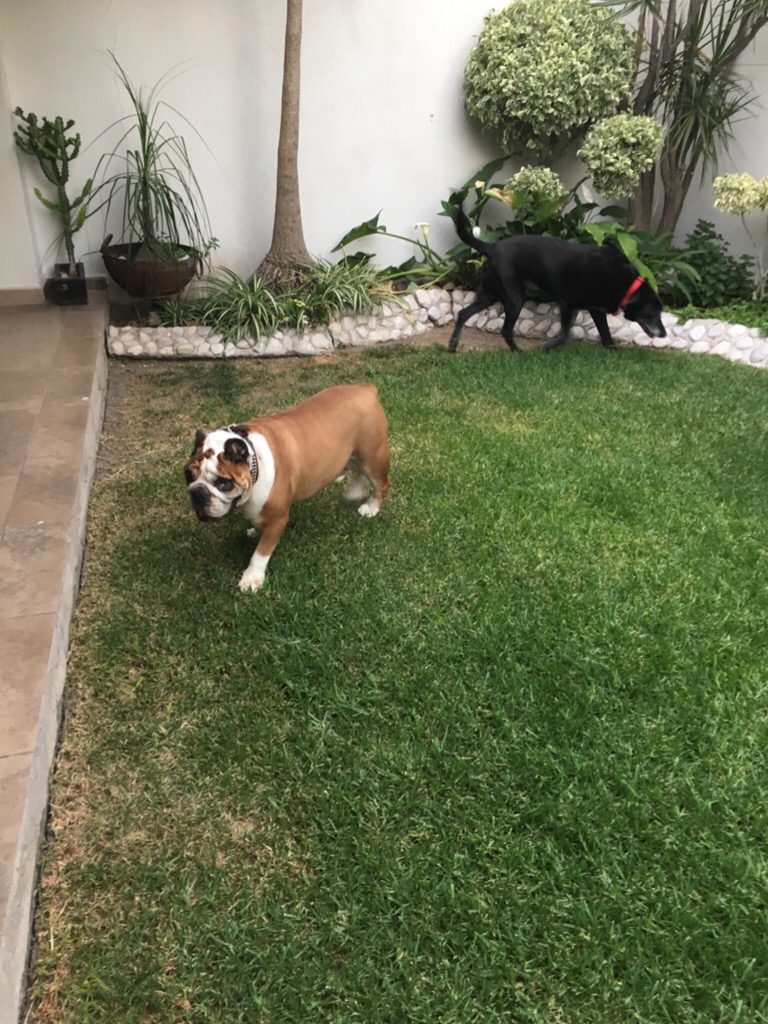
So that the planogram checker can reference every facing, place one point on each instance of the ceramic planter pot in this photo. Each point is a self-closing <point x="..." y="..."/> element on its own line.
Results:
<point x="148" y="279"/>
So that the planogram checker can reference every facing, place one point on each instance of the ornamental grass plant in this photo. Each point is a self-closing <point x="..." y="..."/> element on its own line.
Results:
<point x="238" y="308"/>
<point x="498" y="755"/>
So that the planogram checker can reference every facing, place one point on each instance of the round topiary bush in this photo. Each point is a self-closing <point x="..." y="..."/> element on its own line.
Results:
<point x="544" y="70"/>
<point x="618" y="150"/>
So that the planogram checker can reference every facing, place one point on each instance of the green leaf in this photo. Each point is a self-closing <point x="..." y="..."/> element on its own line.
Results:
<point x="484" y="173"/>
<point x="368" y="227"/>
<point x="618" y="212"/>
<point x="628" y="246"/>
<point x="645" y="271"/>
<point x="597" y="232"/>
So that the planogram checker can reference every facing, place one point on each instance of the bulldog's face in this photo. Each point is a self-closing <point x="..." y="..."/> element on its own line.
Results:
<point x="217" y="473"/>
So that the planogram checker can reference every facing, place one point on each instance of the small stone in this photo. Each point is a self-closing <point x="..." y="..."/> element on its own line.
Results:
<point x="434" y="313"/>
<point x="699" y="347"/>
<point x="722" y="348"/>
<point x="184" y="348"/>
<point x="422" y="298"/>
<point x="117" y="348"/>
<point x="659" y="342"/>
<point x="747" y="341"/>
<point x="759" y="354"/>
<point x="680" y="343"/>
<point x="697" y="333"/>
<point x="737" y="330"/>
<point x="495" y="325"/>
<point x="150" y="348"/>
<point x="322" y="341"/>
<point x="274" y="347"/>
<point x="165" y="351"/>
<point x="135" y="350"/>
<point x="217" y="348"/>
<point x="230" y="350"/>
<point x="112" y="331"/>
<point x="482" y="320"/>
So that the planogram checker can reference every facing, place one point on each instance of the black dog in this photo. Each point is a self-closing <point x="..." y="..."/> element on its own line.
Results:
<point x="599" y="279"/>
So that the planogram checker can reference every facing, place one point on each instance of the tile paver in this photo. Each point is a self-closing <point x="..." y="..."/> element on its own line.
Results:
<point x="52" y="392"/>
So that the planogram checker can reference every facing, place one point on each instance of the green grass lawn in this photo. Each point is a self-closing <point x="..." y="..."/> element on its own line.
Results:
<point x="498" y="755"/>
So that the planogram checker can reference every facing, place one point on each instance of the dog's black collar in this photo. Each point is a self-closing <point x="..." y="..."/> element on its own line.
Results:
<point x="254" y="460"/>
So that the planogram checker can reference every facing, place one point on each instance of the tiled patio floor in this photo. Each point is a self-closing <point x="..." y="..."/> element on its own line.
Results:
<point x="52" y="392"/>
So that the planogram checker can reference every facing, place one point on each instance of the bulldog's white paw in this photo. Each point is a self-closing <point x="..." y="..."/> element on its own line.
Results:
<point x="369" y="509"/>
<point x="250" y="582"/>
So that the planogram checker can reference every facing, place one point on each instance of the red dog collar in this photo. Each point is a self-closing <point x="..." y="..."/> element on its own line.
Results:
<point x="630" y="292"/>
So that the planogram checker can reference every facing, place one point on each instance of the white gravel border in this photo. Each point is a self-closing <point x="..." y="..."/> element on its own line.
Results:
<point x="416" y="313"/>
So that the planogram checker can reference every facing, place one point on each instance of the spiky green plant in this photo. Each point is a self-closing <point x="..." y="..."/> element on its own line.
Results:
<point x="48" y="142"/>
<point x="162" y="204"/>
<point x="238" y="308"/>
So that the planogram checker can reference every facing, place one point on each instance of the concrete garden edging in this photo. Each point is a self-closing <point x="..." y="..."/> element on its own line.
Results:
<point x="417" y="312"/>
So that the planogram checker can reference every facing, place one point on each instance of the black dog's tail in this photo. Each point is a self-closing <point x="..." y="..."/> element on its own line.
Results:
<point x="464" y="225"/>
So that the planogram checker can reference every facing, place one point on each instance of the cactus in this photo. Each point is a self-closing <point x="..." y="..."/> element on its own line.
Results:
<point x="48" y="142"/>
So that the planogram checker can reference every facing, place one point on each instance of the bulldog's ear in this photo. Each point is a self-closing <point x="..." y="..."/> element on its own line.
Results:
<point x="236" y="450"/>
<point x="241" y="429"/>
<point x="200" y="436"/>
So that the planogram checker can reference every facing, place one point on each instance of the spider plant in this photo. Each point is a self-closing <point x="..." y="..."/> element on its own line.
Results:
<point x="229" y="305"/>
<point x="238" y="308"/>
<point x="326" y="290"/>
<point x="149" y="174"/>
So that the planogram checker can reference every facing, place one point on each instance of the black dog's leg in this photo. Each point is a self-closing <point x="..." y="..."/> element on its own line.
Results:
<point x="566" y="322"/>
<point x="512" y="307"/>
<point x="601" y="323"/>
<point x="485" y="297"/>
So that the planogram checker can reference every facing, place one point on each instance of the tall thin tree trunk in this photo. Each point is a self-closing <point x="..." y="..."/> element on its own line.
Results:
<point x="640" y="212"/>
<point x="288" y="247"/>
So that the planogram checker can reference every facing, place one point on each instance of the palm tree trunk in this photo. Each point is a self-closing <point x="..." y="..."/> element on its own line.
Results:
<point x="288" y="247"/>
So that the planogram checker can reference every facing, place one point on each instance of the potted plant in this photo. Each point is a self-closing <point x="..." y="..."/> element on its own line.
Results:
<point x="48" y="142"/>
<point x="165" y="230"/>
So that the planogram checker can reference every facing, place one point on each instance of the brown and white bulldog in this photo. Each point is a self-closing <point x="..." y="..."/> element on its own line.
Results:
<point x="264" y="465"/>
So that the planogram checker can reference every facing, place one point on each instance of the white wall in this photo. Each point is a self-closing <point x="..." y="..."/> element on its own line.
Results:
<point x="18" y="262"/>
<point x="383" y="124"/>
